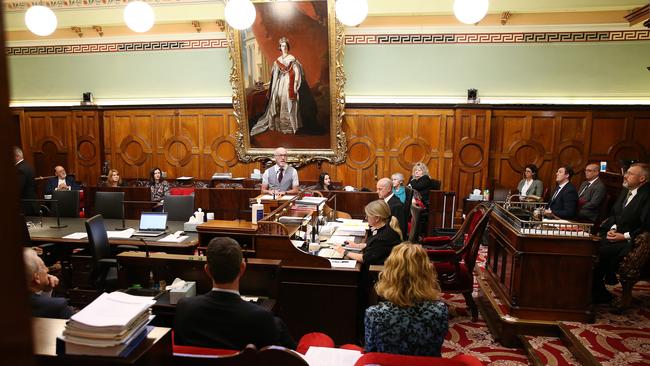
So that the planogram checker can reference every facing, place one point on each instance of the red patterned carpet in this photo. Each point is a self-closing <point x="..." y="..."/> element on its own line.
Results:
<point x="613" y="340"/>
<point x="474" y="338"/>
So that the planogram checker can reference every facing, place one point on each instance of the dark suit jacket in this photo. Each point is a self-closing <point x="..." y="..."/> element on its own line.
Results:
<point x="27" y="187"/>
<point x="223" y="320"/>
<point x="633" y="218"/>
<point x="378" y="246"/>
<point x="591" y="200"/>
<point x="397" y="210"/>
<point x="50" y="307"/>
<point x="53" y="182"/>
<point x="423" y="185"/>
<point x="565" y="203"/>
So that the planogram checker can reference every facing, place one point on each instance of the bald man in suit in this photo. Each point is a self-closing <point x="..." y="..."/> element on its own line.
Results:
<point x="591" y="194"/>
<point x="630" y="216"/>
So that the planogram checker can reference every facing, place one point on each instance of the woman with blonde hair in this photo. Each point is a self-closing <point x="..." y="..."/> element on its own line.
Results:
<point x="412" y="320"/>
<point x="421" y="182"/>
<point x="113" y="179"/>
<point x="385" y="235"/>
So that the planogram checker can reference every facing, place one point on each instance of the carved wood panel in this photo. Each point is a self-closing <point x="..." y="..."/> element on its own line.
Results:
<point x="461" y="147"/>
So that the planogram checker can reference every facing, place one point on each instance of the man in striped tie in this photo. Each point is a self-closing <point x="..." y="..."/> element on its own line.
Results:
<point x="591" y="194"/>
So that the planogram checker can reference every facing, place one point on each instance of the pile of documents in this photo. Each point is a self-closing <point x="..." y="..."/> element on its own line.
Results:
<point x="310" y="203"/>
<point x="112" y="325"/>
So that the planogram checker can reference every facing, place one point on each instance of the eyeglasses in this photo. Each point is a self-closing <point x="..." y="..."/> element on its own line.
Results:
<point x="282" y="155"/>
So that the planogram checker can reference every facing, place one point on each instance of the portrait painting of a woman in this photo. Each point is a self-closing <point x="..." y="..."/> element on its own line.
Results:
<point x="286" y="76"/>
<point x="291" y="105"/>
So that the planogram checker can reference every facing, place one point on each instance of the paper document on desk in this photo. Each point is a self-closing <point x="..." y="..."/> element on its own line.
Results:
<point x="121" y="234"/>
<point x="343" y="263"/>
<point x="325" y="356"/>
<point x="171" y="238"/>
<point x="268" y="197"/>
<point x="550" y="221"/>
<point x="76" y="236"/>
<point x="340" y="239"/>
<point x="297" y="243"/>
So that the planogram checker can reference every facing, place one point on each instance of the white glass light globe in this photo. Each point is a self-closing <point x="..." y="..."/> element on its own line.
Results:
<point x="470" y="11"/>
<point x="139" y="16"/>
<point x="351" y="12"/>
<point x="40" y="20"/>
<point x="240" y="14"/>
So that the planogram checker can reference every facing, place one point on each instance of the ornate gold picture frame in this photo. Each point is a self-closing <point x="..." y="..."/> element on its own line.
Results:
<point x="287" y="79"/>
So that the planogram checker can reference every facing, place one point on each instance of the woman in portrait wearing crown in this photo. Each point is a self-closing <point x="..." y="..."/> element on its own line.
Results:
<point x="288" y="92"/>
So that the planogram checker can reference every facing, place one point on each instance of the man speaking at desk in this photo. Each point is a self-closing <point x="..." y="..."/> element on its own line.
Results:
<point x="221" y="318"/>
<point x="60" y="182"/>
<point x="281" y="178"/>
<point x="630" y="216"/>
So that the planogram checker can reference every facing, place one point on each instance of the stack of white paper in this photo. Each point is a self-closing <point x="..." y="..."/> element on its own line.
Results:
<point x="109" y="326"/>
<point x="323" y="356"/>
<point x="121" y="234"/>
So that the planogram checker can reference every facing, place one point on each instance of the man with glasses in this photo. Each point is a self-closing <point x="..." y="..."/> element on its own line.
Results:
<point x="591" y="194"/>
<point x="281" y="178"/>
<point x="630" y="216"/>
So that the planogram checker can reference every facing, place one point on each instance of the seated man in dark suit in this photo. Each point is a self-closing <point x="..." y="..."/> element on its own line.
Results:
<point x="564" y="202"/>
<point x="397" y="210"/>
<point x="220" y="318"/>
<point x="630" y="216"/>
<point x="60" y="182"/>
<point x="40" y="285"/>
<point x="591" y="194"/>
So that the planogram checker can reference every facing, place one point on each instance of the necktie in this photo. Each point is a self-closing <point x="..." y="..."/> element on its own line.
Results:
<point x="627" y="198"/>
<point x="584" y="189"/>
<point x="281" y="175"/>
<point x="556" y="192"/>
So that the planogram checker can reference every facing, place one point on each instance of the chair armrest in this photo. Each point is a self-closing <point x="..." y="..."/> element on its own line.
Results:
<point x="436" y="240"/>
<point x="108" y="261"/>
<point x="126" y="248"/>
<point x="442" y="255"/>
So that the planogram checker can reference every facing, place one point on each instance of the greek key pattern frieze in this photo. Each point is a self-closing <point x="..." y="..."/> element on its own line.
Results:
<point x="479" y="38"/>
<point x="117" y="47"/>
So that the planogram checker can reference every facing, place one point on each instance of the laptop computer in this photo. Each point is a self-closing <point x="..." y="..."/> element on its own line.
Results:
<point x="152" y="224"/>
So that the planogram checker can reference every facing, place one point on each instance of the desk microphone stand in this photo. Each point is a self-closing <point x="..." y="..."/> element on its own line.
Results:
<point x="56" y="206"/>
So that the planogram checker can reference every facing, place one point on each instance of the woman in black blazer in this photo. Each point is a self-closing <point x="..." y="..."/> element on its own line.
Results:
<point x="385" y="235"/>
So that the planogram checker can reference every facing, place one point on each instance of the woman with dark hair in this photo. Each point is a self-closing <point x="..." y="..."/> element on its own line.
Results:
<point x="159" y="187"/>
<point x="530" y="185"/>
<point x="386" y="235"/>
<point x="412" y="320"/>
<point x="324" y="182"/>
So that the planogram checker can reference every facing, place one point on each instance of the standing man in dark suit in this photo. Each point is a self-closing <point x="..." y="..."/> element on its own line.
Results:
<point x="630" y="216"/>
<point x="60" y="182"/>
<point x="26" y="182"/>
<point x="385" y="192"/>
<point x="41" y="284"/>
<point x="565" y="199"/>
<point x="591" y="194"/>
<point x="221" y="318"/>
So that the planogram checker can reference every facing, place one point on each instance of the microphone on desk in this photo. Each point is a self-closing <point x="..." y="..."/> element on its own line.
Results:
<point x="146" y="247"/>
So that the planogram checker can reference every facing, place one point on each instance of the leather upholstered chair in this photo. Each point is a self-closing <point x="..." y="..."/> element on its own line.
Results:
<point x="67" y="203"/>
<point x="109" y="204"/>
<point x="179" y="208"/>
<point x="104" y="269"/>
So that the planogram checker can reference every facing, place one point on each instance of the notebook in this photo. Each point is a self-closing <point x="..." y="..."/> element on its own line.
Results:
<point x="152" y="224"/>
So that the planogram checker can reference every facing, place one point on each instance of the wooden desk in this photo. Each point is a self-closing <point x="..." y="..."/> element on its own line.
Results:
<point x="260" y="279"/>
<point x="46" y="234"/>
<point x="538" y="279"/>
<point x="155" y="350"/>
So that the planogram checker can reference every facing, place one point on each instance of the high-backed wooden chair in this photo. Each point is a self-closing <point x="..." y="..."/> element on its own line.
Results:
<point x="451" y="238"/>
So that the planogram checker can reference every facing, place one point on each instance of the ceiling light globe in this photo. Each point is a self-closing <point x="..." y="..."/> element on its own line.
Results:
<point x="139" y="16"/>
<point x="240" y="14"/>
<point x="40" y="20"/>
<point x="351" y="12"/>
<point x="470" y="11"/>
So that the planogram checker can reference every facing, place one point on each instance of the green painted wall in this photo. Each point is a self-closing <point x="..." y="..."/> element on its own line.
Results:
<point x="575" y="70"/>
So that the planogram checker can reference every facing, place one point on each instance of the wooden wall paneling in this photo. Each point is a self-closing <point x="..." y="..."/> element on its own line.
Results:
<point x="177" y="142"/>
<point x="47" y="140"/>
<point x="129" y="141"/>
<point x="431" y="131"/>
<point x="570" y="147"/>
<point x="620" y="135"/>
<point x="365" y="148"/>
<point x="86" y="141"/>
<point x="471" y="150"/>
<point x="511" y="146"/>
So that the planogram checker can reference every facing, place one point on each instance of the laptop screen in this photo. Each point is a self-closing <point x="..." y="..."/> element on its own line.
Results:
<point x="153" y="221"/>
